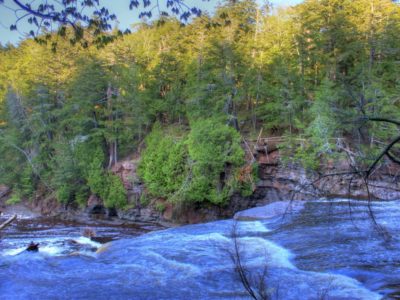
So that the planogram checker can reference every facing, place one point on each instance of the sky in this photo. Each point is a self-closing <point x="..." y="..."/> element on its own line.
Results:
<point x="125" y="16"/>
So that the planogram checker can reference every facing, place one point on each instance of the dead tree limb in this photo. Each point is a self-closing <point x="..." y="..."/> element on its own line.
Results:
<point x="382" y="154"/>
<point x="384" y="120"/>
<point x="8" y="222"/>
<point x="253" y="283"/>
<point x="239" y="267"/>
<point x="393" y="158"/>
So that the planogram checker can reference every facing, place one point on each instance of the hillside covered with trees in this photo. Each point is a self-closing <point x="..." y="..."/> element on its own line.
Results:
<point x="187" y="97"/>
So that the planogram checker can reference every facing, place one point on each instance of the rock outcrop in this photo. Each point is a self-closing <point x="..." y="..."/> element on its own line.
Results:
<point x="276" y="182"/>
<point x="280" y="182"/>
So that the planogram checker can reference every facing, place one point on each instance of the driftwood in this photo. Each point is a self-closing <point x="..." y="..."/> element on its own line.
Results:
<point x="8" y="222"/>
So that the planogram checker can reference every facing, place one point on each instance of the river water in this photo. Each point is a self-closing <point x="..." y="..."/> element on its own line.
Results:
<point x="325" y="250"/>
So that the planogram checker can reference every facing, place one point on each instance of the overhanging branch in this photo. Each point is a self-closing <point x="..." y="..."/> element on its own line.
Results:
<point x="385" y="120"/>
<point x="393" y="158"/>
<point x="382" y="154"/>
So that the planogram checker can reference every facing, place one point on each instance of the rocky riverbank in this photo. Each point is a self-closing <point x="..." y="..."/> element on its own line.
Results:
<point x="276" y="182"/>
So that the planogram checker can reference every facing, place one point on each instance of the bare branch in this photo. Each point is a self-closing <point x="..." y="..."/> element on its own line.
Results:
<point x="385" y="120"/>
<point x="393" y="158"/>
<point x="255" y="286"/>
<point x="382" y="154"/>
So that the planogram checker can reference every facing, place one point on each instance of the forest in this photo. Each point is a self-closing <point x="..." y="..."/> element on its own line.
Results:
<point x="187" y="97"/>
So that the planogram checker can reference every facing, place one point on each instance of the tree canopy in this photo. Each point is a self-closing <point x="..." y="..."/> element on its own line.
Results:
<point x="314" y="73"/>
<point x="91" y="20"/>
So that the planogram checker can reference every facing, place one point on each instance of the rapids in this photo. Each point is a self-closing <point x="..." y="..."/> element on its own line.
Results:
<point x="325" y="250"/>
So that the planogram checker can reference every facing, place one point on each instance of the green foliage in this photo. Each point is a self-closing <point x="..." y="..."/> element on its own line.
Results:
<point x="96" y="179"/>
<point x="163" y="164"/>
<point x="215" y="154"/>
<point x="68" y="193"/>
<point x="308" y="73"/>
<point x="247" y="178"/>
<point x="14" y="199"/>
<point x="82" y="195"/>
<point x="106" y="185"/>
<point x="322" y="130"/>
<point x="116" y="193"/>
<point x="26" y="187"/>
<point x="201" y="167"/>
<point x="144" y="200"/>
<point x="160" y="207"/>
<point x="64" y="193"/>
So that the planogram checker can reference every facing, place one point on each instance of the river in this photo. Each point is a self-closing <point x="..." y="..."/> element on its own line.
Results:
<point x="324" y="250"/>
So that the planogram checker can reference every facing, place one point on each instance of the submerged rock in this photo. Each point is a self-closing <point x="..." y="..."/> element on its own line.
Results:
<point x="103" y="248"/>
<point x="33" y="247"/>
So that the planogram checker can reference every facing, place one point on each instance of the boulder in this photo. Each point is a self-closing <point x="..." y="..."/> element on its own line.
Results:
<point x="33" y="247"/>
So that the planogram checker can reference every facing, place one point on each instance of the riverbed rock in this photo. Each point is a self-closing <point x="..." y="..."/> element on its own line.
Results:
<point x="103" y="248"/>
<point x="33" y="247"/>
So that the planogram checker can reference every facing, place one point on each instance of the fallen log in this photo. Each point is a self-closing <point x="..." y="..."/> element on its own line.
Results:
<point x="8" y="222"/>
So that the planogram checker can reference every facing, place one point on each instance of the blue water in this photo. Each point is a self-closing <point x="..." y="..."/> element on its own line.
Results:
<point x="319" y="252"/>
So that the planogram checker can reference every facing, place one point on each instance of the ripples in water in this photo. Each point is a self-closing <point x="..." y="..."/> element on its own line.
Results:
<point x="321" y="251"/>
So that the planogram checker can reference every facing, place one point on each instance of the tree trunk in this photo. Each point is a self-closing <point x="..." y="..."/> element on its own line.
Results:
<point x="112" y="144"/>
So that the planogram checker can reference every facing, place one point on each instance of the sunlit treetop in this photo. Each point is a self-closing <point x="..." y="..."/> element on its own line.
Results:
<point x="93" y="16"/>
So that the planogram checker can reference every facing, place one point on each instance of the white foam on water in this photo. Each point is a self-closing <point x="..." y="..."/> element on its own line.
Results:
<point x="186" y="239"/>
<point x="336" y="200"/>
<point x="51" y="250"/>
<point x="166" y="265"/>
<point x="374" y="203"/>
<point x="259" y="250"/>
<point x="86" y="241"/>
<point x="12" y="252"/>
<point x="46" y="245"/>
<point x="209" y="237"/>
<point x="342" y="286"/>
<point x="252" y="227"/>
<point x="52" y="246"/>
<point x="270" y="211"/>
